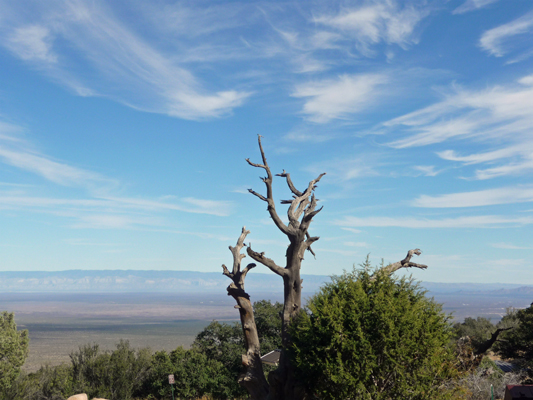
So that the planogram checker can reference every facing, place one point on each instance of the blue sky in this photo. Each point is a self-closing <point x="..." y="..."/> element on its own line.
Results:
<point x="124" y="128"/>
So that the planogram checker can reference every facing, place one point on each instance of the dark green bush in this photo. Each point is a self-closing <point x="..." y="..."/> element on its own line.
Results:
<point x="373" y="337"/>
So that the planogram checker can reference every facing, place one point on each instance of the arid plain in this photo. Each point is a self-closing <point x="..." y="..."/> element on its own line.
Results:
<point x="59" y="323"/>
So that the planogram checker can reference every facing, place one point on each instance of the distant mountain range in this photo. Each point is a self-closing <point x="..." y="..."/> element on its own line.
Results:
<point x="141" y="281"/>
<point x="190" y="281"/>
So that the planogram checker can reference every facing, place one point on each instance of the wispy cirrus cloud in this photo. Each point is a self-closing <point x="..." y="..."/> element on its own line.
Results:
<point x="482" y="221"/>
<point x="373" y="22"/>
<point x="18" y="152"/>
<point x="54" y="171"/>
<point x="502" y="39"/>
<point x="472" y="5"/>
<point x="509" y="246"/>
<point x="98" y="206"/>
<point x="505" y="195"/>
<point x="337" y="98"/>
<point x="500" y="115"/>
<point x="427" y="170"/>
<point x="113" y="204"/>
<point x="343" y="170"/>
<point x="123" y="65"/>
<point x="32" y="43"/>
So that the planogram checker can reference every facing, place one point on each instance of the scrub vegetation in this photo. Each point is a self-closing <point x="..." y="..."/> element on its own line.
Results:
<point x="363" y="336"/>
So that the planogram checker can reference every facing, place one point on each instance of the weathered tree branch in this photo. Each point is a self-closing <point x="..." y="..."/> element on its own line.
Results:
<point x="310" y="240"/>
<point x="289" y="182"/>
<point x="405" y="263"/>
<point x="297" y="202"/>
<point x="269" y="197"/>
<point x="253" y="377"/>
<point x="267" y="262"/>
<point x="487" y="344"/>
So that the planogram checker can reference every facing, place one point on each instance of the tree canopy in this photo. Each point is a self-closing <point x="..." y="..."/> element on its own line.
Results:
<point x="372" y="336"/>
<point x="518" y="342"/>
<point x="477" y="329"/>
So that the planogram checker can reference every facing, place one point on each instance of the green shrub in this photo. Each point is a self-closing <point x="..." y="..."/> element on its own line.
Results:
<point x="13" y="350"/>
<point x="373" y="337"/>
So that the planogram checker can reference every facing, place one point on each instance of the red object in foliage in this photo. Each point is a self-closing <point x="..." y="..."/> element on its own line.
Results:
<point x="522" y="392"/>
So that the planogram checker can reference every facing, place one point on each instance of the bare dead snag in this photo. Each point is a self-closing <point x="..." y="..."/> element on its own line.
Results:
<point x="253" y="377"/>
<point x="302" y="209"/>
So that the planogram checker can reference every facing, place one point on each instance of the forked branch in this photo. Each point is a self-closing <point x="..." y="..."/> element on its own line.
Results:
<point x="237" y="275"/>
<point x="405" y="263"/>
<point x="301" y="203"/>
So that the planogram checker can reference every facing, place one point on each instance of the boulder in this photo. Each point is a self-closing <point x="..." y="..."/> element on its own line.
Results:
<point x="81" y="396"/>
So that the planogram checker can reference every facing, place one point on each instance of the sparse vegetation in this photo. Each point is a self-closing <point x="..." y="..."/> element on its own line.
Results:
<point x="209" y="369"/>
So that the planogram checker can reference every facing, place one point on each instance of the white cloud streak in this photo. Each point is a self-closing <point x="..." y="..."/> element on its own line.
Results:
<point x="101" y="209"/>
<point x="507" y="195"/>
<point x="376" y="21"/>
<point x="57" y="172"/>
<point x="509" y="246"/>
<point x="427" y="170"/>
<point x="500" y="115"/>
<point x="32" y="43"/>
<point x="483" y="221"/>
<point x="497" y="41"/>
<point x="330" y="99"/>
<point x="472" y="5"/>
<point x="125" y="67"/>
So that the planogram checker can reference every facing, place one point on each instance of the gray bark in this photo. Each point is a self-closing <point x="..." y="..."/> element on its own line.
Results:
<point x="302" y="209"/>
<point x="405" y="263"/>
<point x="253" y="377"/>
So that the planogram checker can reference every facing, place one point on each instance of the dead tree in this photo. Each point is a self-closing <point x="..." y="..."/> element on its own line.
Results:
<point x="253" y="378"/>
<point x="282" y="383"/>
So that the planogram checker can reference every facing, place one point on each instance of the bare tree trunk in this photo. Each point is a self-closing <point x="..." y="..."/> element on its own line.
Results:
<point x="302" y="209"/>
<point x="253" y="377"/>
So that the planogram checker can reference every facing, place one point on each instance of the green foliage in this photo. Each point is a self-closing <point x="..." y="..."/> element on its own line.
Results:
<point x="268" y="321"/>
<point x="225" y="342"/>
<point x="478" y="330"/>
<point x="54" y="382"/>
<point x="518" y="342"/>
<point x="115" y="375"/>
<point x="48" y="383"/>
<point x="13" y="350"/>
<point x="373" y="337"/>
<point x="196" y="375"/>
